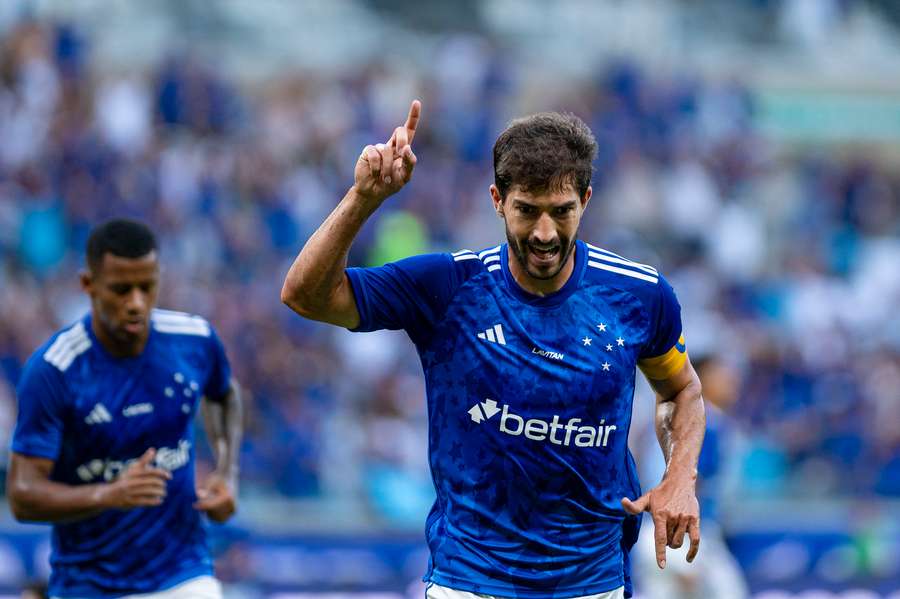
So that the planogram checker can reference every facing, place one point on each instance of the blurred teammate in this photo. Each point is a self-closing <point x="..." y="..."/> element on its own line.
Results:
<point x="104" y="443"/>
<point x="529" y="350"/>
<point x="715" y="573"/>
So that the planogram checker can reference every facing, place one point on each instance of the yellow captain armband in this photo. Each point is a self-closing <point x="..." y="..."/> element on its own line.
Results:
<point x="664" y="366"/>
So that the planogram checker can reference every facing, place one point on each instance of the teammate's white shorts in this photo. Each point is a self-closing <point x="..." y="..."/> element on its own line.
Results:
<point x="202" y="587"/>
<point x="436" y="591"/>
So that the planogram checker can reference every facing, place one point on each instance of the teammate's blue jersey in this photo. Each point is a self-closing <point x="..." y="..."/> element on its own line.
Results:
<point x="529" y="406"/>
<point x="92" y="414"/>
<point x="714" y="457"/>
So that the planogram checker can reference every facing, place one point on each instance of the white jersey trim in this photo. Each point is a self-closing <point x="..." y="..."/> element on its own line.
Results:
<point x="607" y="256"/>
<point x="489" y="257"/>
<point x="180" y="323"/>
<point x="68" y="346"/>
<point x="484" y="253"/>
<point x="623" y="271"/>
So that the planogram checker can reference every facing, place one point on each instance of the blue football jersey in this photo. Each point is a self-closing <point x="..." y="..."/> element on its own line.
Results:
<point x="93" y="414"/>
<point x="529" y="407"/>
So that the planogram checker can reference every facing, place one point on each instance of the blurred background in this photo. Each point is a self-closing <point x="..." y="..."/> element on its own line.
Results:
<point x="748" y="148"/>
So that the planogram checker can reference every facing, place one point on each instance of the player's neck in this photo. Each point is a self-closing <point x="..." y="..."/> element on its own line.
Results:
<point x="115" y="347"/>
<point x="535" y="286"/>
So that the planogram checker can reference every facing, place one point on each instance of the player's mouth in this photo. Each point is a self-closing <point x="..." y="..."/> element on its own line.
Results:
<point x="134" y="327"/>
<point x="543" y="256"/>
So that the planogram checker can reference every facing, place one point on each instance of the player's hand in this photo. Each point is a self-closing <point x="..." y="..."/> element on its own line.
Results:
<point x="139" y="485"/>
<point x="675" y="512"/>
<point x="383" y="169"/>
<point x="217" y="497"/>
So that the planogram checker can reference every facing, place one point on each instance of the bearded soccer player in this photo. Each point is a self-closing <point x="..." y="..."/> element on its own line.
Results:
<point x="529" y="351"/>
<point x="104" y="442"/>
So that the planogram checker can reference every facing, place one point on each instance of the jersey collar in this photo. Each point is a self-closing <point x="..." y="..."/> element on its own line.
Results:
<point x="95" y="343"/>
<point x="554" y="299"/>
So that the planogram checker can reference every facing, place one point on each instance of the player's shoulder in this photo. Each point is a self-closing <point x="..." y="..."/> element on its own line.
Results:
<point x="611" y="268"/>
<point x="182" y="324"/>
<point x="473" y="262"/>
<point x="62" y="349"/>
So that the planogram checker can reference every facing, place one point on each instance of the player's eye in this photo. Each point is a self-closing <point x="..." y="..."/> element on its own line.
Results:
<point x="147" y="287"/>
<point x="525" y="209"/>
<point x="120" y="289"/>
<point x="565" y="210"/>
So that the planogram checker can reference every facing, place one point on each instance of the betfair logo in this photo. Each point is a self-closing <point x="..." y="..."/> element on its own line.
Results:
<point x="485" y="409"/>
<point x="572" y="432"/>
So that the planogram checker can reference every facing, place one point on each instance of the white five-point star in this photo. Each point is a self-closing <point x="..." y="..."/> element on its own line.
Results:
<point x="606" y="366"/>
<point x="621" y="342"/>
<point x="587" y="340"/>
<point x="608" y="347"/>
<point x="602" y="327"/>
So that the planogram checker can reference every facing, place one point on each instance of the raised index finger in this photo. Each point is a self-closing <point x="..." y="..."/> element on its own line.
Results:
<point x="412" y="121"/>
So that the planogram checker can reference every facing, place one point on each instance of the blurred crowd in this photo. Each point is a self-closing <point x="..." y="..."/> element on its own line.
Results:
<point x="785" y="261"/>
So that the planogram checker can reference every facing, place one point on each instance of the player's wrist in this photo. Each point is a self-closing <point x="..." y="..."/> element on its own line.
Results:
<point x="367" y="200"/>
<point x="681" y="477"/>
<point x="229" y="474"/>
<point x="103" y="496"/>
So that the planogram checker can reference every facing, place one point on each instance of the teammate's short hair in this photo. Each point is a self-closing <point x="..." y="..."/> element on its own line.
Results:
<point x="545" y="152"/>
<point x="120" y="237"/>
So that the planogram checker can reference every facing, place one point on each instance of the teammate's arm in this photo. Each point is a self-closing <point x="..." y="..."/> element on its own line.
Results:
<point x="223" y="421"/>
<point x="680" y="425"/>
<point x="34" y="497"/>
<point x="316" y="286"/>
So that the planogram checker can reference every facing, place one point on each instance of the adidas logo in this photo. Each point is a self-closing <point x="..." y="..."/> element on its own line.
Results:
<point x="98" y="415"/>
<point x="494" y="335"/>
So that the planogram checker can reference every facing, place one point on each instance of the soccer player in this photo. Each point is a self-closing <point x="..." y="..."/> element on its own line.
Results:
<point x="529" y="351"/>
<point x="104" y="442"/>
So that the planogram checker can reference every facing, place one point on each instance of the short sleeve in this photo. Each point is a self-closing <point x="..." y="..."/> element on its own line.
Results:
<point x="219" y="381"/>
<point x="411" y="294"/>
<point x="41" y="400"/>
<point x="664" y="353"/>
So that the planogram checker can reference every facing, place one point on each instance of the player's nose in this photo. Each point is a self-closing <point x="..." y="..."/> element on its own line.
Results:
<point x="544" y="230"/>
<point x="136" y="303"/>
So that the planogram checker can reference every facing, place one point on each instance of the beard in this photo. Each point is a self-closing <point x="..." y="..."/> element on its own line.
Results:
<point x="523" y="247"/>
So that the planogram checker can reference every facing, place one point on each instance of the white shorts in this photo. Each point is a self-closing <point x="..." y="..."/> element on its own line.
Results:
<point x="202" y="587"/>
<point x="436" y="591"/>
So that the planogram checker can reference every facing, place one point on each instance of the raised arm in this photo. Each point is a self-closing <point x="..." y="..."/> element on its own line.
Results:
<point x="680" y="427"/>
<point x="316" y="286"/>
<point x="34" y="497"/>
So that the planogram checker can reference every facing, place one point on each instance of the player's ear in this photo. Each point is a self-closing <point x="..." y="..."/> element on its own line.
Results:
<point x="86" y="278"/>
<point x="587" y="197"/>
<point x="497" y="199"/>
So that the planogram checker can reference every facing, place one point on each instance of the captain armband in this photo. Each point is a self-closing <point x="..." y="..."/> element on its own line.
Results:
<point x="666" y="365"/>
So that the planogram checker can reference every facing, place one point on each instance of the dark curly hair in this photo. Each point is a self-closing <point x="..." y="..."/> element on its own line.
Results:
<point x="119" y="237"/>
<point x="543" y="152"/>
